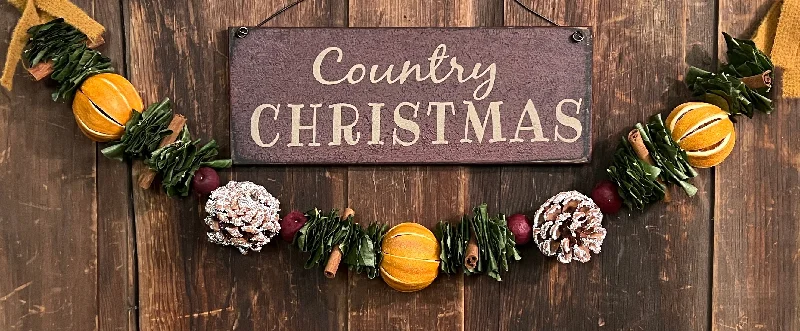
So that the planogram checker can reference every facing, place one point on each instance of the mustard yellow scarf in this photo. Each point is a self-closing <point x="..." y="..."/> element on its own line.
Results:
<point x="35" y="12"/>
<point x="778" y="36"/>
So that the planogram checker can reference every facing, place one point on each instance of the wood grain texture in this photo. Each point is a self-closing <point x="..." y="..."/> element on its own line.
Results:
<point x="68" y="255"/>
<point x="419" y="194"/>
<point x="187" y="283"/>
<point x="295" y="299"/>
<point x="756" y="221"/>
<point x="395" y="195"/>
<point x="58" y="253"/>
<point x="116" y="246"/>
<point x="652" y="273"/>
<point x="481" y="293"/>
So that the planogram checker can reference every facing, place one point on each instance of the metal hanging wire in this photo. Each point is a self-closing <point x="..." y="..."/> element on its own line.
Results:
<point x="576" y="36"/>
<point x="530" y="10"/>
<point x="242" y="32"/>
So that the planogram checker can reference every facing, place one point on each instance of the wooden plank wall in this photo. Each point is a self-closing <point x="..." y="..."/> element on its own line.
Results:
<point x="88" y="251"/>
<point x="66" y="254"/>
<point x="756" y="226"/>
<point x="186" y="283"/>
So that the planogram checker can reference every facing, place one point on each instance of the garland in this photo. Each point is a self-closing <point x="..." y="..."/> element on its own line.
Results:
<point x="329" y="234"/>
<point x="494" y="240"/>
<point x="143" y="132"/>
<point x="408" y="256"/>
<point x="73" y="61"/>
<point x="667" y="155"/>
<point x="741" y="85"/>
<point x="330" y="238"/>
<point x="147" y="136"/>
<point x="650" y="156"/>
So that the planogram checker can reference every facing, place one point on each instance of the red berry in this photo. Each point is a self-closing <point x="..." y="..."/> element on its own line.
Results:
<point x="205" y="180"/>
<point x="606" y="197"/>
<point x="520" y="226"/>
<point x="292" y="223"/>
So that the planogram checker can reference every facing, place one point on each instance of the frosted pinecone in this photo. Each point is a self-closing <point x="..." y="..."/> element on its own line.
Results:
<point x="569" y="226"/>
<point x="242" y="214"/>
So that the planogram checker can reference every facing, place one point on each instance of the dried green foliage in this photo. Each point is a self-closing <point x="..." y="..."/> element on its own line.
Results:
<point x="50" y="39"/>
<point x="727" y="92"/>
<point x="745" y="59"/>
<point x="177" y="162"/>
<point x="726" y="89"/>
<point x="364" y="249"/>
<point x="360" y="248"/>
<point x="667" y="155"/>
<point x="453" y="240"/>
<point x="636" y="180"/>
<point x="495" y="243"/>
<point x="316" y="236"/>
<point x="143" y="133"/>
<point x="73" y="61"/>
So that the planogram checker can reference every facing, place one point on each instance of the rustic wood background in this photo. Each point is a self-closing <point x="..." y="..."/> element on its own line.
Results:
<point x="81" y="248"/>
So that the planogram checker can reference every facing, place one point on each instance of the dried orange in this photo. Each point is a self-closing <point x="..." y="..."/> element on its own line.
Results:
<point x="704" y="131"/>
<point x="412" y="246"/>
<point x="410" y="257"/>
<point x="103" y="105"/>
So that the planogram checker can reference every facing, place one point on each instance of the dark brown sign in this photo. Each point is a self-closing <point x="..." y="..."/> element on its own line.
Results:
<point x="411" y="95"/>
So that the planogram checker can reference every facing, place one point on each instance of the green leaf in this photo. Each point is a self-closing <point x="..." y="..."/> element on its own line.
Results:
<point x="322" y="232"/>
<point x="115" y="151"/>
<point x="50" y="39"/>
<point x="725" y="88"/>
<point x="219" y="164"/>
<point x="727" y="92"/>
<point x="364" y="248"/>
<point x="452" y="242"/>
<point x="178" y="162"/>
<point x="636" y="180"/>
<point x="143" y="133"/>
<point x="666" y="154"/>
<point x="65" y="46"/>
<point x="745" y="59"/>
<point x="495" y="243"/>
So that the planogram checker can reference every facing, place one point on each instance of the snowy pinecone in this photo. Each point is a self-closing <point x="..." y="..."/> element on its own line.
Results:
<point x="569" y="226"/>
<point x="242" y="214"/>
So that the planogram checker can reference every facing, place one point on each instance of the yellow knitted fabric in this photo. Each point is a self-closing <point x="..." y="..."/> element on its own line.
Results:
<point x="36" y="12"/>
<point x="779" y="37"/>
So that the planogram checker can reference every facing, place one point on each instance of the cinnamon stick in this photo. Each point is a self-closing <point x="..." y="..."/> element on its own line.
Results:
<point x="336" y="255"/>
<point x="176" y="125"/>
<point x="347" y="213"/>
<point x="43" y="69"/>
<point x="472" y="253"/>
<point x="333" y="262"/>
<point x="635" y="138"/>
<point x="758" y="81"/>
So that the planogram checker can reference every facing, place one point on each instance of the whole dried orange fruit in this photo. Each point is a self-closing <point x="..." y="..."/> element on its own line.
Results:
<point x="103" y="105"/>
<point x="410" y="257"/>
<point x="704" y="131"/>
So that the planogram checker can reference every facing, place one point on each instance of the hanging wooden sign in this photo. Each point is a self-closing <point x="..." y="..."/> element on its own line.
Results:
<point x="411" y="95"/>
